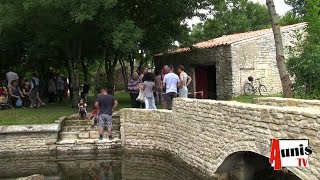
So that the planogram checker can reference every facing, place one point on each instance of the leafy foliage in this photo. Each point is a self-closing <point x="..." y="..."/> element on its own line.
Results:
<point x="304" y="64"/>
<point x="229" y="17"/>
<point x="290" y="18"/>
<point x="298" y="7"/>
<point x="37" y="35"/>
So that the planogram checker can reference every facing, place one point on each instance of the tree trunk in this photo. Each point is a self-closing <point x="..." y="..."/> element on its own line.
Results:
<point x="284" y="75"/>
<point x="84" y="70"/>
<point x="71" y="77"/>
<point x="124" y="74"/>
<point x="139" y="69"/>
<point x="131" y="60"/>
<point x="110" y="68"/>
<point x="69" y="68"/>
<point x="76" y="84"/>
<point x="97" y="76"/>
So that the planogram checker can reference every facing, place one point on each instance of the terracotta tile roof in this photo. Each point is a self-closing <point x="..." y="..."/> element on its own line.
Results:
<point x="230" y="39"/>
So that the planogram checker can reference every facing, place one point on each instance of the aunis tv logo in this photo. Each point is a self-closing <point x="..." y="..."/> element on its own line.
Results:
<point x="289" y="153"/>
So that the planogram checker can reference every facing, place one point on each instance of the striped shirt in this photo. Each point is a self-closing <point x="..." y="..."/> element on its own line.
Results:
<point x="133" y="85"/>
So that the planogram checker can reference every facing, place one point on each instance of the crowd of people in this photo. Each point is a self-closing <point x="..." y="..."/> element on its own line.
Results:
<point x="22" y="92"/>
<point x="145" y="90"/>
<point x="161" y="87"/>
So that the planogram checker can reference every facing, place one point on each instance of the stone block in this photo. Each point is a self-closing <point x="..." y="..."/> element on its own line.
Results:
<point x="85" y="141"/>
<point x="51" y="141"/>
<point x="67" y="141"/>
<point x="94" y="134"/>
<point x="84" y="135"/>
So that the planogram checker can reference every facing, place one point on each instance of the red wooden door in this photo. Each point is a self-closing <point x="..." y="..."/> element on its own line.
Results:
<point x="201" y="81"/>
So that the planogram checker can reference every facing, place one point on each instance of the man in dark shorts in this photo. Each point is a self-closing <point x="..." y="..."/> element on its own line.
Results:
<point x="107" y="105"/>
<point x="171" y="82"/>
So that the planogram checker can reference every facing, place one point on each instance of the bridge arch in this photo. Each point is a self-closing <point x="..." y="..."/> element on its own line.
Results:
<point x="204" y="133"/>
<point x="250" y="165"/>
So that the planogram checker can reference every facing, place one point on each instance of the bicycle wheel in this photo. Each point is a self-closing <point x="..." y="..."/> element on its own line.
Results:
<point x="263" y="90"/>
<point x="248" y="89"/>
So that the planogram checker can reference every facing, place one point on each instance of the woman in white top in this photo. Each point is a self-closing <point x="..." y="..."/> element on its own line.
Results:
<point x="148" y="87"/>
<point x="185" y="81"/>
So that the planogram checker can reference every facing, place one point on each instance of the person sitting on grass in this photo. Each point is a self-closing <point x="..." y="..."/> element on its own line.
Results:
<point x="26" y="91"/>
<point x="82" y="109"/>
<point x="15" y="93"/>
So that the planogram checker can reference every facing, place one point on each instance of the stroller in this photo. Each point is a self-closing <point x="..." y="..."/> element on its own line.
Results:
<point x="4" y="99"/>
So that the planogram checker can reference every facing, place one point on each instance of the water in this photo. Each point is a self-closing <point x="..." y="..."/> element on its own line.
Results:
<point x="109" y="166"/>
<point x="135" y="165"/>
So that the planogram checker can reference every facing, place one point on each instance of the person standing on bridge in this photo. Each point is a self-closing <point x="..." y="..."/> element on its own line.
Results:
<point x="107" y="105"/>
<point x="171" y="82"/>
<point x="185" y="81"/>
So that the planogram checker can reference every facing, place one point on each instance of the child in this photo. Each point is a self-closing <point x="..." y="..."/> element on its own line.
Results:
<point x="94" y="115"/>
<point x="82" y="109"/>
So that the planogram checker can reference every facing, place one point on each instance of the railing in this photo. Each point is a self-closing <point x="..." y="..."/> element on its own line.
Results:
<point x="197" y="92"/>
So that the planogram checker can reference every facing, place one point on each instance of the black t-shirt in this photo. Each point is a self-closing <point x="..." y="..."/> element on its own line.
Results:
<point x="106" y="103"/>
<point x="86" y="88"/>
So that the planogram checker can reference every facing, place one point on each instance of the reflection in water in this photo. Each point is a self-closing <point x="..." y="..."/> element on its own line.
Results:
<point x="134" y="165"/>
<point x="117" y="166"/>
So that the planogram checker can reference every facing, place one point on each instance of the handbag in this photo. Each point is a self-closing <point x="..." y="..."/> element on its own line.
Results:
<point x="19" y="102"/>
<point x="140" y="97"/>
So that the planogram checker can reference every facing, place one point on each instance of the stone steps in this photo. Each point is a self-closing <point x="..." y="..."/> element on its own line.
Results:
<point x="85" y="128"/>
<point x="86" y="135"/>
<point x="87" y="122"/>
<point x="79" y="133"/>
<point x="115" y="140"/>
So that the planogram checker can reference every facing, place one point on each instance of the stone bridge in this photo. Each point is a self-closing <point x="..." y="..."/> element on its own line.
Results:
<point x="205" y="133"/>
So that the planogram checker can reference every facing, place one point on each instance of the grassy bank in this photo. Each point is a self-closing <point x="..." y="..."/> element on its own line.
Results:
<point x="43" y="115"/>
<point x="51" y="112"/>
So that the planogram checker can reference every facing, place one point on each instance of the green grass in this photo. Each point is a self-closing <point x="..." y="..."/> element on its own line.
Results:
<point x="249" y="99"/>
<point x="42" y="115"/>
<point x="244" y="99"/>
<point x="51" y="112"/>
<point x="124" y="100"/>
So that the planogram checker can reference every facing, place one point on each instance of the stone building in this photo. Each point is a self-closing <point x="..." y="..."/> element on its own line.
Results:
<point x="220" y="67"/>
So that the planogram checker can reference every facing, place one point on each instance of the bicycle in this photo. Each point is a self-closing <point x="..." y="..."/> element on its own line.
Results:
<point x="249" y="89"/>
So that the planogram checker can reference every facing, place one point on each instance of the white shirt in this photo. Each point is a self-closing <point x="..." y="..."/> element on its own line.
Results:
<point x="171" y="81"/>
<point x="11" y="76"/>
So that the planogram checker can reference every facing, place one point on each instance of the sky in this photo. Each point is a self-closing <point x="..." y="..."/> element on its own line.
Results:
<point x="281" y="9"/>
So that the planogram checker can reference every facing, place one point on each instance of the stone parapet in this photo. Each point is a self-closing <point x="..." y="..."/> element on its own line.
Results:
<point x="278" y="101"/>
<point x="29" y="139"/>
<point x="204" y="132"/>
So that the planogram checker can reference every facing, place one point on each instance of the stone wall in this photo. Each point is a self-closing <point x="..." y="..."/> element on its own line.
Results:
<point x="256" y="57"/>
<point x="278" y="101"/>
<point x="204" y="132"/>
<point x="28" y="139"/>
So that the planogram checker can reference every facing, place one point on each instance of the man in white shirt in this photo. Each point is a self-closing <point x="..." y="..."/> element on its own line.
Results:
<point x="171" y="82"/>
<point x="10" y="77"/>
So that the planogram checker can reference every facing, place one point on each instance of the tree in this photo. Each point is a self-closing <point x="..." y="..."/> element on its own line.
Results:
<point x="284" y="75"/>
<point x="290" y="18"/>
<point x="68" y="36"/>
<point x="229" y="17"/>
<point x="298" y="7"/>
<point x="304" y="61"/>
